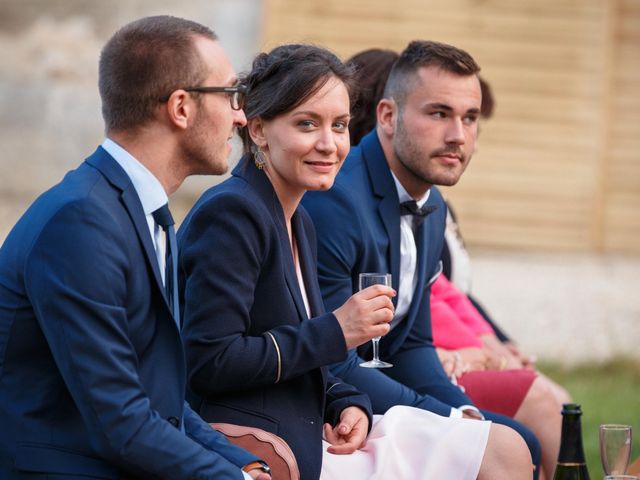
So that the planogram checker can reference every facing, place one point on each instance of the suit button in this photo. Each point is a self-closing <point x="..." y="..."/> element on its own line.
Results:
<point x="174" y="421"/>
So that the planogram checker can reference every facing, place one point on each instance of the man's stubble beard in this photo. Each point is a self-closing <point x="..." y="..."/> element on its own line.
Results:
<point x="412" y="158"/>
<point x="203" y="157"/>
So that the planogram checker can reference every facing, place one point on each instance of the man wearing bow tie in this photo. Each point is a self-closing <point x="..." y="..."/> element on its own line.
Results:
<point x="92" y="370"/>
<point x="383" y="214"/>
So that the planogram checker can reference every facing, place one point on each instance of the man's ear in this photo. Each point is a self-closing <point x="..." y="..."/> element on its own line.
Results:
<point x="179" y="108"/>
<point x="386" y="112"/>
<point x="255" y="127"/>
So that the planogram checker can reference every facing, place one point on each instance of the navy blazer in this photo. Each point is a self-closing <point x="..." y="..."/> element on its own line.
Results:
<point x="358" y="228"/>
<point x="92" y="370"/>
<point x="253" y="355"/>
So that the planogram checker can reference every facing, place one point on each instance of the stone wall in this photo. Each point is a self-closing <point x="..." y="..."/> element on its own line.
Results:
<point x="49" y="104"/>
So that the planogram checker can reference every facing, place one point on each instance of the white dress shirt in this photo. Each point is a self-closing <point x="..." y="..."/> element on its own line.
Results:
<point x="150" y="192"/>
<point x="408" y="272"/>
<point x="408" y="256"/>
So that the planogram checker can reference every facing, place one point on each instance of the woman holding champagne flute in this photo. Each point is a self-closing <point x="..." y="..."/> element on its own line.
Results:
<point x="256" y="334"/>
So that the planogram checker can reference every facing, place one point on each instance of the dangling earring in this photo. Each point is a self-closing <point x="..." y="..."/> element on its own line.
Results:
<point x="259" y="159"/>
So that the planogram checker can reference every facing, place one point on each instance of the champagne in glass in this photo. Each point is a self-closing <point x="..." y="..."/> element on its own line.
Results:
<point x="366" y="280"/>
<point x="615" y="448"/>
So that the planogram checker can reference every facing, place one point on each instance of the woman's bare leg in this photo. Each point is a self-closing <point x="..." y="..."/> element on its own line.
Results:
<point x="506" y="456"/>
<point x="540" y="412"/>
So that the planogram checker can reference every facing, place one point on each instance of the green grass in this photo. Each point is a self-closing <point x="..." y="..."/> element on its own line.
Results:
<point x="608" y="393"/>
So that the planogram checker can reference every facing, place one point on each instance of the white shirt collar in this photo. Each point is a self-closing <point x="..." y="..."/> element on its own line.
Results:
<point x="147" y="186"/>
<point x="404" y="196"/>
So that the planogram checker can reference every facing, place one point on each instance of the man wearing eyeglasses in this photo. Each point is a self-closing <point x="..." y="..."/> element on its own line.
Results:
<point x="92" y="374"/>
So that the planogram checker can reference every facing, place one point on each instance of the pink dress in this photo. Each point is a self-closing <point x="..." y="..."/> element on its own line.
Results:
<point x="457" y="324"/>
<point x="407" y="443"/>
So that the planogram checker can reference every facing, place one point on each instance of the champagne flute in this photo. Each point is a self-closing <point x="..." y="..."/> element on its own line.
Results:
<point x="366" y="280"/>
<point x="615" y="448"/>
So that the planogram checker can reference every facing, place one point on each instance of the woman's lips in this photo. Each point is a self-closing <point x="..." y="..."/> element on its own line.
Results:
<point x="321" y="167"/>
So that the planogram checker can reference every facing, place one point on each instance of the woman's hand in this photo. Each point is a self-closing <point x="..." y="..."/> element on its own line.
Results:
<point x="528" y="361"/>
<point x="475" y="358"/>
<point x="366" y="315"/>
<point x="349" y="434"/>
<point x="258" y="474"/>
<point x="452" y="363"/>
<point x="502" y="358"/>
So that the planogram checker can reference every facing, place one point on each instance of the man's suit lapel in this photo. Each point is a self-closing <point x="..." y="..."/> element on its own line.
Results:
<point x="389" y="205"/>
<point x="264" y="189"/>
<point x="119" y="179"/>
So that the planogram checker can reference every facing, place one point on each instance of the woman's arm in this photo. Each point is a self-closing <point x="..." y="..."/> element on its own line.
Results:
<point x="224" y="248"/>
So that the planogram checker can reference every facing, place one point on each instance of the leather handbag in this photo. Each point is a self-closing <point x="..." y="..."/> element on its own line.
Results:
<point x="264" y="445"/>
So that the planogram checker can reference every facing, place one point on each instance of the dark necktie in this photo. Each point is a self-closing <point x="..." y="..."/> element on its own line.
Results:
<point x="419" y="213"/>
<point x="163" y="217"/>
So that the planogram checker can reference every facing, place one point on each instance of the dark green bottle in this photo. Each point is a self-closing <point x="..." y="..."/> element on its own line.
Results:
<point x="571" y="463"/>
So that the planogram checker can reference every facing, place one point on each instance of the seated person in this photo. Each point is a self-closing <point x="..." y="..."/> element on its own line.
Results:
<point x="456" y="325"/>
<point x="375" y="234"/>
<point x="256" y="335"/>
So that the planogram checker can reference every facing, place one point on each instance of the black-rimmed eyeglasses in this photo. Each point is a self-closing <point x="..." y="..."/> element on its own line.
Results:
<point x="236" y="94"/>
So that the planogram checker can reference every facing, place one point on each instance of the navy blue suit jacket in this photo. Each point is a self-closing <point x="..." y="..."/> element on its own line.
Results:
<point x="92" y="371"/>
<point x="253" y="355"/>
<point x="358" y="229"/>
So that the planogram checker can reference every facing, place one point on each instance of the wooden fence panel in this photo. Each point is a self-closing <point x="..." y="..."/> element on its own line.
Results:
<point x="558" y="166"/>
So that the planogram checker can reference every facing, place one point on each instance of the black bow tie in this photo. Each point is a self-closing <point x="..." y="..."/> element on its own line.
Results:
<point x="419" y="213"/>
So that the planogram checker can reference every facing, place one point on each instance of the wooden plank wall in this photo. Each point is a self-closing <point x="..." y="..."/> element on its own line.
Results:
<point x="558" y="167"/>
<point x="621" y="182"/>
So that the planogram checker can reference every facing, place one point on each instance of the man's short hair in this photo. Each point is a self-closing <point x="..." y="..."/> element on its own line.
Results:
<point x="145" y="60"/>
<point x="425" y="53"/>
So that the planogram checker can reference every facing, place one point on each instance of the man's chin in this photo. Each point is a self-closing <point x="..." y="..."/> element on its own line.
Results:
<point x="446" y="180"/>
<point x="220" y="169"/>
<point x="213" y="170"/>
<point x="215" y="167"/>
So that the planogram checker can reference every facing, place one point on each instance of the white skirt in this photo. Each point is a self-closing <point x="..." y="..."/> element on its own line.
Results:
<point x="413" y="444"/>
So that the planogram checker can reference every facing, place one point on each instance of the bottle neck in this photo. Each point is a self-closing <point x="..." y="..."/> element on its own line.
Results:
<point x="571" y="451"/>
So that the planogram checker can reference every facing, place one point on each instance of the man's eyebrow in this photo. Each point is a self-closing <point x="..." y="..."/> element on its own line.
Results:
<point x="448" y="108"/>
<point x="439" y="106"/>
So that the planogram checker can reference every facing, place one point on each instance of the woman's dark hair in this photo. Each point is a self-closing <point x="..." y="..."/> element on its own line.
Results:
<point x="488" y="102"/>
<point x="285" y="78"/>
<point x="372" y="68"/>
